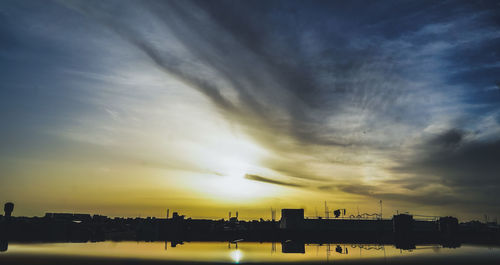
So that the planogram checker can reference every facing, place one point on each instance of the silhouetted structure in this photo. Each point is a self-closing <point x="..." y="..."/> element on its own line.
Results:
<point x="293" y="230"/>
<point x="5" y="226"/>
<point x="8" y="208"/>
<point x="292" y="219"/>
<point x="339" y="212"/>
<point x="403" y="225"/>
<point x="4" y="245"/>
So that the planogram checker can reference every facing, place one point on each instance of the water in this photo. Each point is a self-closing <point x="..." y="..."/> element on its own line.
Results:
<point x="243" y="252"/>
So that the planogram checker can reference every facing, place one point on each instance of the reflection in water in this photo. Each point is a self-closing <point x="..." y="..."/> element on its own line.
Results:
<point x="236" y="255"/>
<point x="238" y="252"/>
<point x="290" y="246"/>
<point x="341" y="250"/>
<point x="4" y="245"/>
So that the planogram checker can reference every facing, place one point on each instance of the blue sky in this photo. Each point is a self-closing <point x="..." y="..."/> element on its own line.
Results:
<point x="354" y="101"/>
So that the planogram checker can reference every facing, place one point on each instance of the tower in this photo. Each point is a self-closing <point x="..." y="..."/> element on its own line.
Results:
<point x="8" y="208"/>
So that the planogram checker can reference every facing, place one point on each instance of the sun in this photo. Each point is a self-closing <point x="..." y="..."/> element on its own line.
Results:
<point x="234" y="187"/>
<point x="228" y="164"/>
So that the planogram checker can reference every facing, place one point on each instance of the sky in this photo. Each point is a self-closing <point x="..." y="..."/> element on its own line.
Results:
<point x="130" y="108"/>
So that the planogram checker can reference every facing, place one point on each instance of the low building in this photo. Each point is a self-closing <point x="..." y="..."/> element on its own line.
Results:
<point x="292" y="219"/>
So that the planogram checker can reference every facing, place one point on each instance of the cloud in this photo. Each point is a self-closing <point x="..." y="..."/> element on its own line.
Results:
<point x="420" y="198"/>
<point x="272" y="181"/>
<point x="375" y="95"/>
<point x="451" y="138"/>
<point x="304" y="95"/>
<point x="456" y="162"/>
<point x="464" y="166"/>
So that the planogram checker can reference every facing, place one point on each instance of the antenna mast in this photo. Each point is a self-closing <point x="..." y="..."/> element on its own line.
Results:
<point x="327" y="214"/>
<point x="380" y="209"/>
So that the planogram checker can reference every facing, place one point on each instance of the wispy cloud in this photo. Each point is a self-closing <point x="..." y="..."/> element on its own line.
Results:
<point x="362" y="95"/>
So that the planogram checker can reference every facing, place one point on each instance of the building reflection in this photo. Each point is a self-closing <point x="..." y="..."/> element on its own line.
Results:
<point x="4" y="245"/>
<point x="290" y="246"/>
<point x="341" y="250"/>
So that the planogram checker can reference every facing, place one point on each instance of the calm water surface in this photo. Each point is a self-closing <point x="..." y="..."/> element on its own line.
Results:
<point x="245" y="251"/>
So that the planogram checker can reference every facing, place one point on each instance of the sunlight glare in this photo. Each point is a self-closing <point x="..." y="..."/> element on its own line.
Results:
<point x="236" y="255"/>
<point x="236" y="187"/>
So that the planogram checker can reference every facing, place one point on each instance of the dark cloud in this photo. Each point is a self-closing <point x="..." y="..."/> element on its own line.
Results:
<point x="466" y="168"/>
<point x="272" y="181"/>
<point x="472" y="163"/>
<point x="452" y="169"/>
<point x="451" y="138"/>
<point x="423" y="198"/>
<point x="410" y="198"/>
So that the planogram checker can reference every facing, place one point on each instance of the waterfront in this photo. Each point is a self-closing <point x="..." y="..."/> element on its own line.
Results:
<point x="132" y="252"/>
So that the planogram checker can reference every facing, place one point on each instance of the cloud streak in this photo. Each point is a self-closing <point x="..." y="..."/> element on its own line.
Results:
<point x="272" y="181"/>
